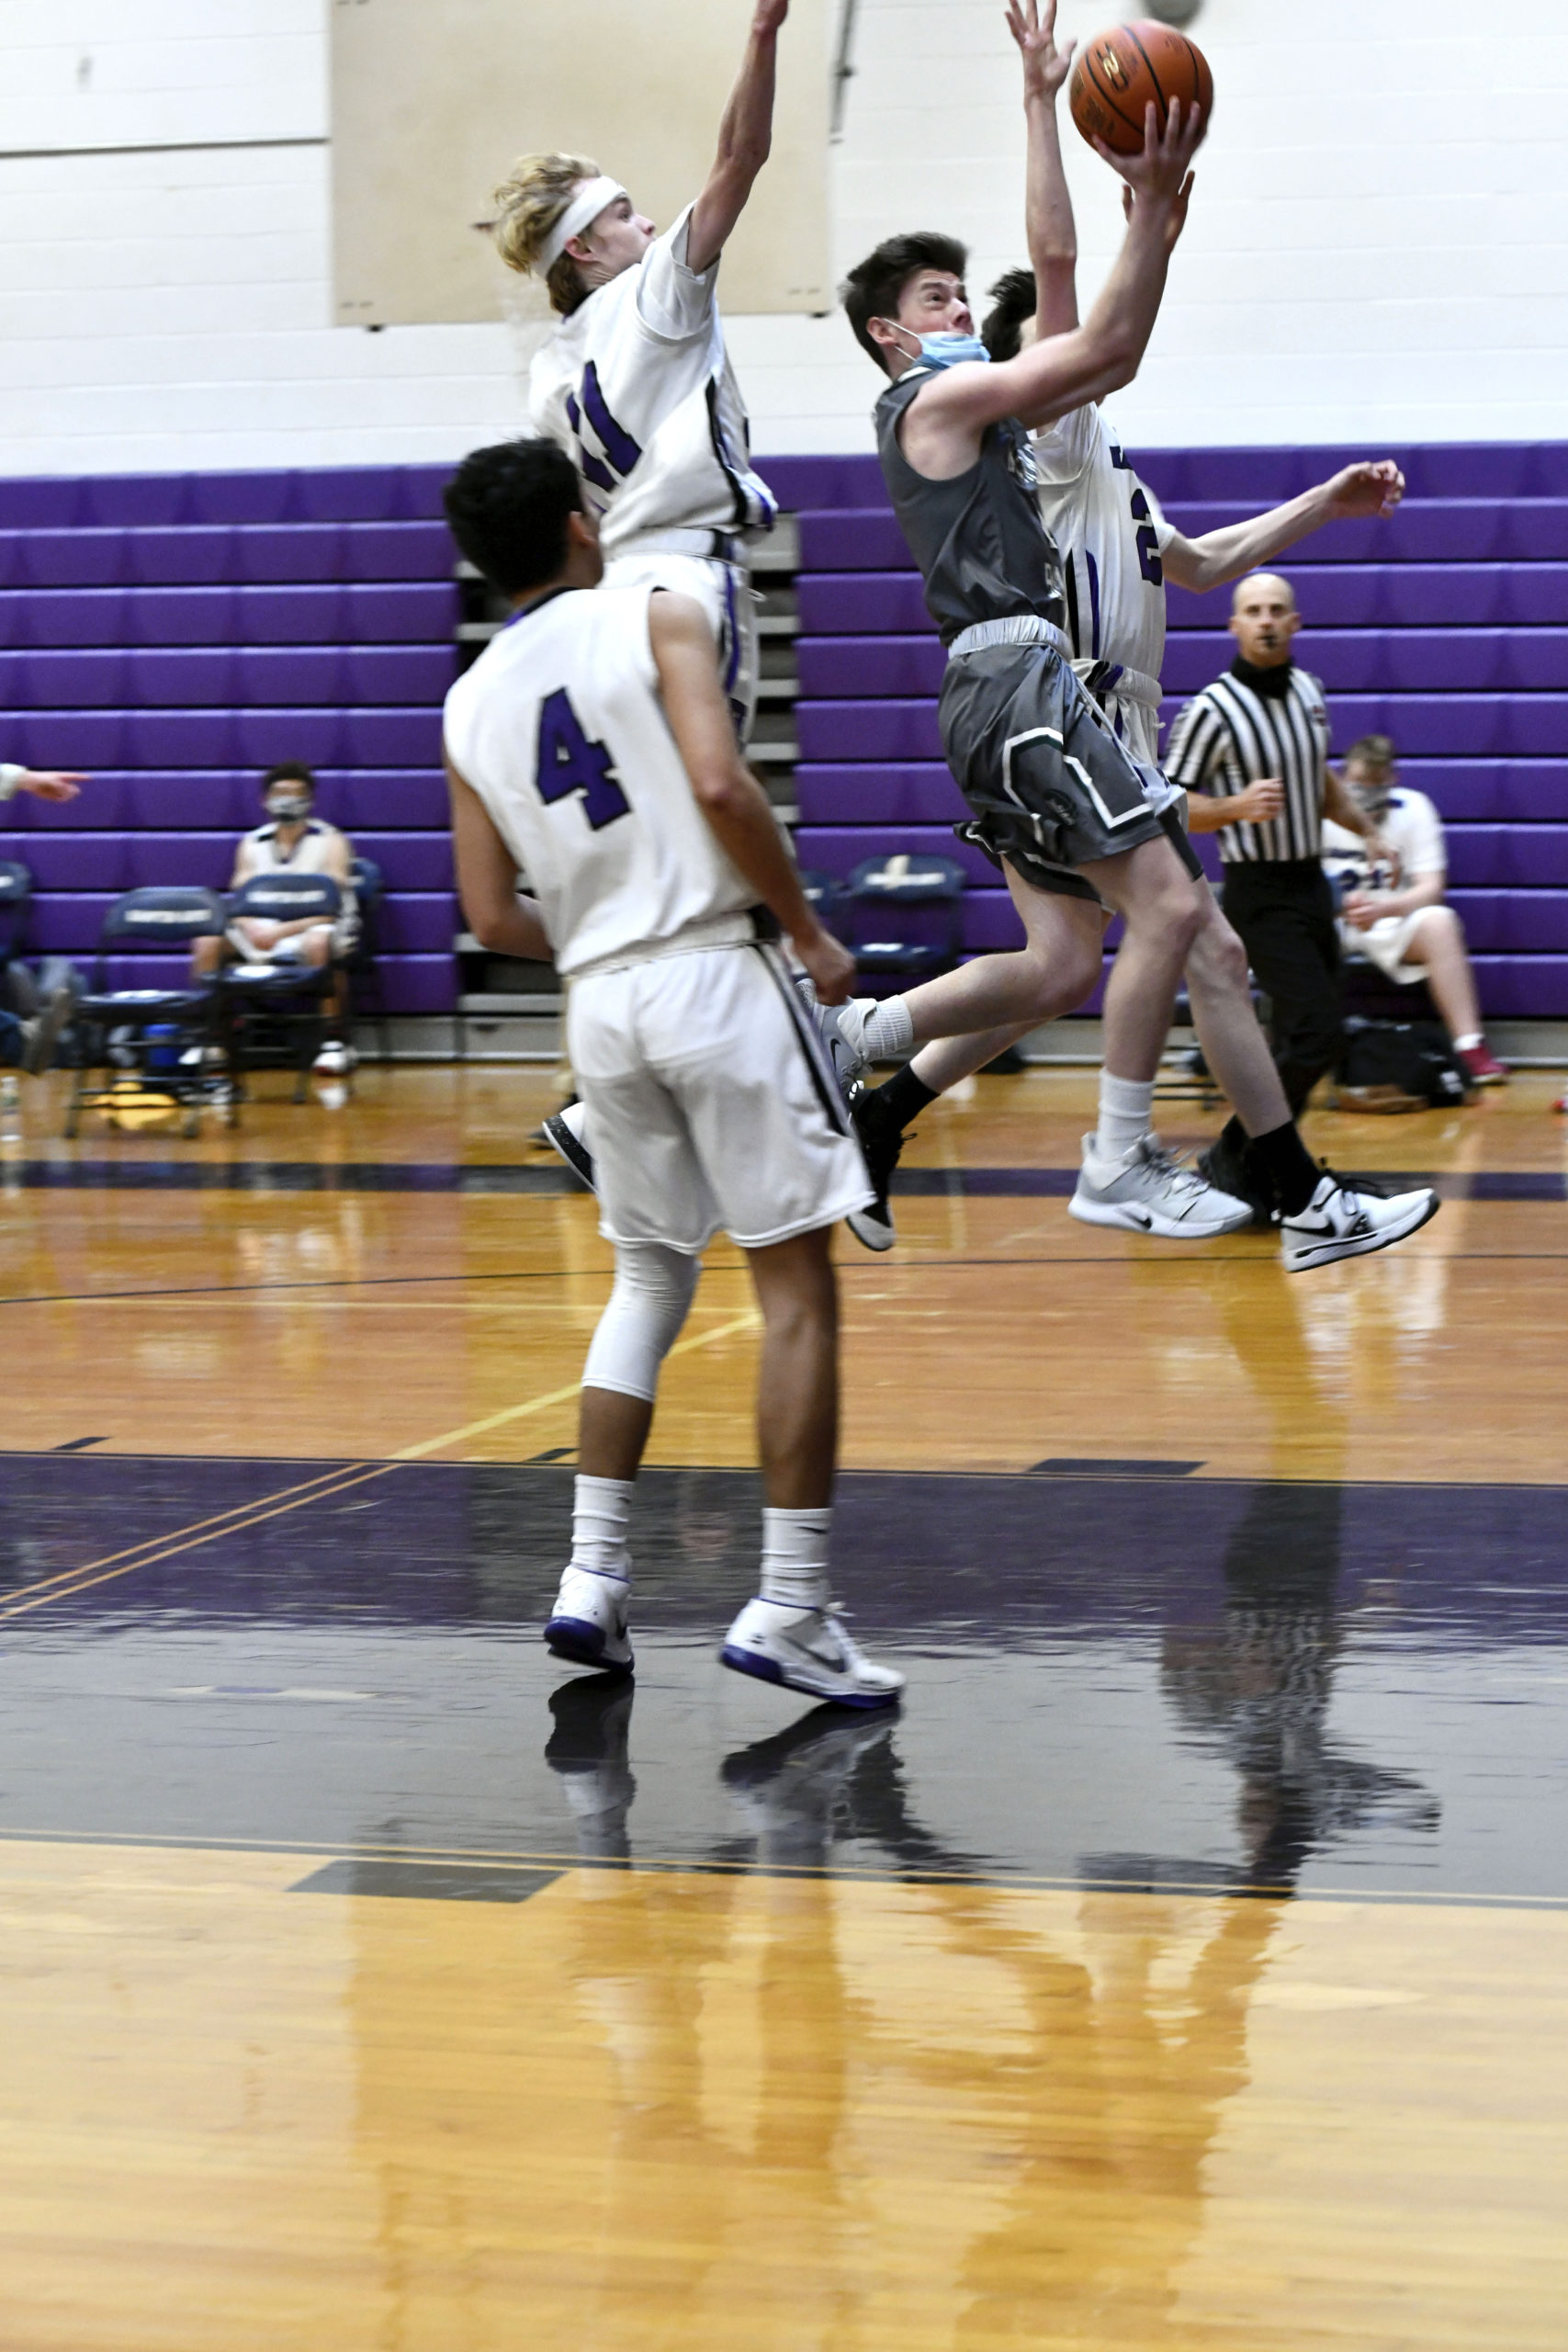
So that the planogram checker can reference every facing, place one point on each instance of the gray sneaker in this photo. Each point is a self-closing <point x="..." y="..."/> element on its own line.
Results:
<point x="1148" y="1192"/>
<point x="41" y="1035"/>
<point x="563" y="1131"/>
<point x="842" y="1028"/>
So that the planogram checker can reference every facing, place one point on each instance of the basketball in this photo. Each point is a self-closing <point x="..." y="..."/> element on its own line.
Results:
<point x="1118" y="73"/>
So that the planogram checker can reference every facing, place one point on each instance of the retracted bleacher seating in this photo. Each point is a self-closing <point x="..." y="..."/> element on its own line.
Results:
<point x="1445" y="627"/>
<point x="176" y="634"/>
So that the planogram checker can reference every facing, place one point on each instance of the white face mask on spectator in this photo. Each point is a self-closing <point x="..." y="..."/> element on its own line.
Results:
<point x="287" y="808"/>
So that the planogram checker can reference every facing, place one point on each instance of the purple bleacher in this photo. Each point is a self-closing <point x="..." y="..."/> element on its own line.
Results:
<point x="916" y="793"/>
<point x="176" y="634"/>
<point x="1445" y="627"/>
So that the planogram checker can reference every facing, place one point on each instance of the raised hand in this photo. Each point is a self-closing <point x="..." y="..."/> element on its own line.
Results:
<point x="1033" y="23"/>
<point x="1160" y="173"/>
<point x="770" y="14"/>
<point x="1366" y="489"/>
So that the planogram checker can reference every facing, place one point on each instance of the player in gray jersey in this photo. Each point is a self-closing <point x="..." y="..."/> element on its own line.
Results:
<point x="1077" y="825"/>
<point x="1117" y="552"/>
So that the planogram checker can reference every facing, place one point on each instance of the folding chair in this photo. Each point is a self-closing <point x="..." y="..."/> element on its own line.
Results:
<point x="163" y="1040"/>
<point x="262" y="1006"/>
<point x="366" y="989"/>
<point x="904" y="915"/>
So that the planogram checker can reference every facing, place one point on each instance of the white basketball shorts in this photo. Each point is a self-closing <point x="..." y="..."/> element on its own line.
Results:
<point x="1386" y="944"/>
<point x="724" y="592"/>
<point x="710" y="1104"/>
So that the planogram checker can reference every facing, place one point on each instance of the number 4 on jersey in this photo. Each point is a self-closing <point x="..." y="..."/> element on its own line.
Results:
<point x="569" y="761"/>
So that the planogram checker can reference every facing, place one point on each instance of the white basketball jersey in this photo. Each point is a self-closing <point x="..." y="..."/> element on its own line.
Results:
<point x="636" y="388"/>
<point x="1110" y="534"/>
<point x="560" y="729"/>
<point x="312" y="854"/>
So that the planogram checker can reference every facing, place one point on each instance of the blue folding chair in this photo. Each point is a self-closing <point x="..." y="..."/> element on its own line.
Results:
<point x="904" y="915"/>
<point x="266" y="1007"/>
<point x="165" y="1039"/>
<point x="362" y="964"/>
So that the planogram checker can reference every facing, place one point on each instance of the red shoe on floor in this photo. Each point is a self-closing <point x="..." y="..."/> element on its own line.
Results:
<point x="1480" y="1064"/>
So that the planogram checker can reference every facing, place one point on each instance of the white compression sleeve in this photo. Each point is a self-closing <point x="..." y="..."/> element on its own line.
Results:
<point x="651" y="1298"/>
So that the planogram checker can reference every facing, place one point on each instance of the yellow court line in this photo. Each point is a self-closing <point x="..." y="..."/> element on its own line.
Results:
<point x="750" y="1321"/>
<point x="26" y="1602"/>
<point x="132" y="1552"/>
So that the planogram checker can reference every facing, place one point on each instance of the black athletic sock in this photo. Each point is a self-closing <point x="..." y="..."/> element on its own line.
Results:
<point x="903" y="1097"/>
<point x="1285" y="1160"/>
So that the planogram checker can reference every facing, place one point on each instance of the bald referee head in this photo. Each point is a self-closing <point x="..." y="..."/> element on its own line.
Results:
<point x="1264" y="619"/>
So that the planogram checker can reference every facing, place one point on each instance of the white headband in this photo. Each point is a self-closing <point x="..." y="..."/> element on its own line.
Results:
<point x="586" y="206"/>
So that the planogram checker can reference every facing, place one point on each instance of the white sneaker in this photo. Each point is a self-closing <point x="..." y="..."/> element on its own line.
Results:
<point x="807" y="1649"/>
<point x="1338" y="1223"/>
<point x="563" y="1131"/>
<point x="1148" y="1192"/>
<point x="335" y="1059"/>
<point x="587" y="1623"/>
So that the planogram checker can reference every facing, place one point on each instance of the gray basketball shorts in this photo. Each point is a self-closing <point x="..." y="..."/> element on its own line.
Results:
<point x="1050" y="786"/>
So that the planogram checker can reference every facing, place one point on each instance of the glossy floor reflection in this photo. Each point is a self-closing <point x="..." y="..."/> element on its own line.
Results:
<point x="1144" y="1682"/>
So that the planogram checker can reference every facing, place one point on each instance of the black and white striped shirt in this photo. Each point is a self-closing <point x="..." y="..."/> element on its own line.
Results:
<point x="1230" y="736"/>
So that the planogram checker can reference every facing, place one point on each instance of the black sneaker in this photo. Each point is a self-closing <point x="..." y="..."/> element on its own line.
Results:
<point x="1229" y="1170"/>
<point x="882" y="1140"/>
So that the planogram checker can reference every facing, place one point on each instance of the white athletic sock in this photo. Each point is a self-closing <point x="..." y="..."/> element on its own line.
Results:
<point x="1467" y="1044"/>
<point x="1126" y="1105"/>
<point x="794" y="1557"/>
<point x="601" y="1513"/>
<point x="889" y="1030"/>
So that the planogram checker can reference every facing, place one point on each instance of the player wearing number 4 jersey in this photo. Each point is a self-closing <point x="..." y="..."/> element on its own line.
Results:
<point x="1112" y="545"/>
<point x="590" y="746"/>
<point x="635" y="384"/>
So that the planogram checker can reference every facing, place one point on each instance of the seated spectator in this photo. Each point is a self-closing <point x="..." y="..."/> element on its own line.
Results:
<point x="1397" y="920"/>
<point x="293" y="841"/>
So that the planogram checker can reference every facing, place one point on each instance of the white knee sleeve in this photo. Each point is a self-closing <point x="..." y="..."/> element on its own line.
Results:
<point x="648" y="1306"/>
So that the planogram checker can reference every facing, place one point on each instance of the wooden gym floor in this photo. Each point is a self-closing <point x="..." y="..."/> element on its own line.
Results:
<point x="1186" y="1965"/>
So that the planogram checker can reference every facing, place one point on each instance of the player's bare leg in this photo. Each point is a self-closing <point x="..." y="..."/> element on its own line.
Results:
<point x="790" y="1632"/>
<point x="797" y="1379"/>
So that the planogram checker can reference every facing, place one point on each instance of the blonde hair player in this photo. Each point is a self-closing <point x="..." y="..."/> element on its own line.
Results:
<point x="1117" y="554"/>
<point x="636" y="384"/>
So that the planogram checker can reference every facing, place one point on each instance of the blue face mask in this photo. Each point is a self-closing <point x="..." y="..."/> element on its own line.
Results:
<point x="947" y="350"/>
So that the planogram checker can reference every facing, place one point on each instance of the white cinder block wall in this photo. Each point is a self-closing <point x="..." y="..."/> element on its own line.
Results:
<point x="1378" y="248"/>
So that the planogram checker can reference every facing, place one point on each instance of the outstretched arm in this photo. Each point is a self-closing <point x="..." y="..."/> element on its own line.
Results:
<point x="44" y="784"/>
<point x="745" y="136"/>
<point x="729" y="794"/>
<point x="1048" y="208"/>
<point x="943" y="426"/>
<point x="1218" y="556"/>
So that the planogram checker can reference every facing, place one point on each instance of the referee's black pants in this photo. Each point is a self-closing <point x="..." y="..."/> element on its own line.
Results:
<point x="1282" y="911"/>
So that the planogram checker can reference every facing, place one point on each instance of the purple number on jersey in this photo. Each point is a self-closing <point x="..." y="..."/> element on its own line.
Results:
<point x="569" y="761"/>
<point x="1149" y="562"/>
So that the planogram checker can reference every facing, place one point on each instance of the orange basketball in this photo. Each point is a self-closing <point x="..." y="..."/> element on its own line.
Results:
<point x="1117" y="73"/>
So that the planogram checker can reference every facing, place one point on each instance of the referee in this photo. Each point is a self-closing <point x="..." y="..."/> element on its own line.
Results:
<point x="1252" y="751"/>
